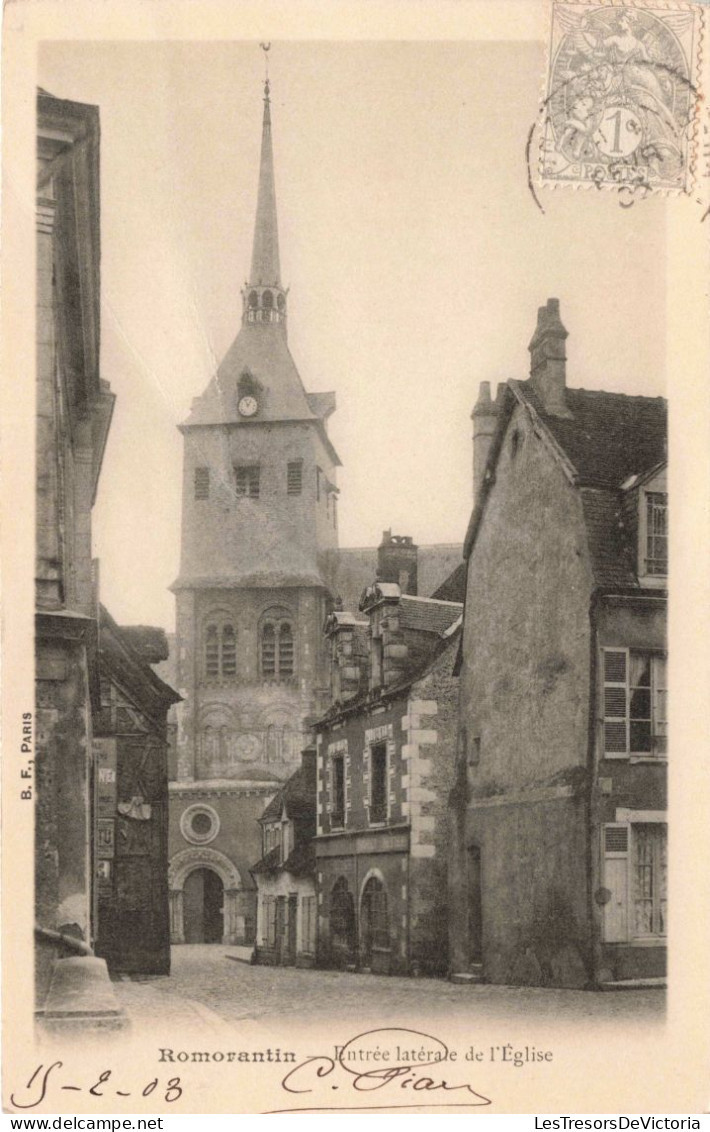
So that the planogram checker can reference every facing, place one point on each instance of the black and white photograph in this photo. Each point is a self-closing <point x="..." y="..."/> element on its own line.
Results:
<point x="352" y="727"/>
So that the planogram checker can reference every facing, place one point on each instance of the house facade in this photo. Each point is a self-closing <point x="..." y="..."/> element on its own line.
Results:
<point x="74" y="407"/>
<point x="558" y="862"/>
<point x="386" y="756"/>
<point x="285" y="873"/>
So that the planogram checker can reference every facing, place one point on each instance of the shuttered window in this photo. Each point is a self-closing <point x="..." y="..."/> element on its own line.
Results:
<point x="656" y="532"/>
<point x="294" y="477"/>
<point x="634" y="703"/>
<point x="202" y="483"/>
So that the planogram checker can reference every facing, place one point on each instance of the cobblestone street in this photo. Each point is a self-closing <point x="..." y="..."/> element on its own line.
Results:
<point x="208" y="989"/>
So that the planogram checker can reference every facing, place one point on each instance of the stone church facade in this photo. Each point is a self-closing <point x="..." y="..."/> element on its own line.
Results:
<point x="260" y="572"/>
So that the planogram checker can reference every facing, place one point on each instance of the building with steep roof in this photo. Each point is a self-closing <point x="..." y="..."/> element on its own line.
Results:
<point x="260" y="572"/>
<point x="559" y="857"/>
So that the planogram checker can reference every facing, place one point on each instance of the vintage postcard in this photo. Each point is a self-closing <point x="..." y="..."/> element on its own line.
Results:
<point x="355" y="559"/>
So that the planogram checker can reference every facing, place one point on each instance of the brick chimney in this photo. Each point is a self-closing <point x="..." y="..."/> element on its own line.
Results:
<point x="397" y="562"/>
<point x="388" y="648"/>
<point x="347" y="656"/>
<point x="548" y="360"/>
<point x="484" y="417"/>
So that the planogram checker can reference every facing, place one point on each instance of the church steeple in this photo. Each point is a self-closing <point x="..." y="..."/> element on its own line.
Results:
<point x="263" y="297"/>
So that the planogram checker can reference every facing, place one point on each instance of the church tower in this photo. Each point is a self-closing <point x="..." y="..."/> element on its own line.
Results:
<point x="259" y="546"/>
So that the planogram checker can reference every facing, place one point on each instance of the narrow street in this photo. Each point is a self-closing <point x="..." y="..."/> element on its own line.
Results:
<point x="208" y="989"/>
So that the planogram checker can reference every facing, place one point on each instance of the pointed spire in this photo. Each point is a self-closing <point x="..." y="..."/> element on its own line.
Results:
<point x="263" y="297"/>
<point x="265" y="267"/>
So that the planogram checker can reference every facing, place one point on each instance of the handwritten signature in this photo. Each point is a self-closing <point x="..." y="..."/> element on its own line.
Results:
<point x="37" y="1087"/>
<point x="401" y="1076"/>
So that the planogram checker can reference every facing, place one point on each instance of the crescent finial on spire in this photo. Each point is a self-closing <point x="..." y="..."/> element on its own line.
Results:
<point x="266" y="47"/>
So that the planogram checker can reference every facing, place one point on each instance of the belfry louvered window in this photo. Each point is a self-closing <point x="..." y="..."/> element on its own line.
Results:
<point x="202" y="483"/>
<point x="634" y="703"/>
<point x="220" y="650"/>
<point x="294" y="477"/>
<point x="229" y="651"/>
<point x="212" y="651"/>
<point x="277" y="646"/>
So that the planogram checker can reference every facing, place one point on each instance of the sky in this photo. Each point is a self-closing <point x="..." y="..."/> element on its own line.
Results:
<point x="415" y="255"/>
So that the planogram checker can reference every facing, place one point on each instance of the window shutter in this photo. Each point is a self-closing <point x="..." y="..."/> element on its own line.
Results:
<point x="616" y="880"/>
<point x="660" y="710"/>
<point x="615" y="701"/>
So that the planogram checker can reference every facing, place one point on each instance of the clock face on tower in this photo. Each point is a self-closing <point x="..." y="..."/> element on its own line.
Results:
<point x="248" y="406"/>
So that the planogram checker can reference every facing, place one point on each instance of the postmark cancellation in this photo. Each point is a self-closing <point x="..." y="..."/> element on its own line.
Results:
<point x="622" y="96"/>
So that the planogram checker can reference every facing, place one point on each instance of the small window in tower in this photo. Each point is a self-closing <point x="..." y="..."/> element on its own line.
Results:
<point x="267" y="300"/>
<point x="253" y="299"/>
<point x="248" y="480"/>
<point x="202" y="483"/>
<point x="280" y="302"/>
<point x="294" y="477"/>
<point x="318" y="478"/>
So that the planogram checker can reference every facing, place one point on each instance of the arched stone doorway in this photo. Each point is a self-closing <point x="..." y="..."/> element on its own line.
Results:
<point x="374" y="926"/>
<point x="343" y="936"/>
<point x="222" y="919"/>
<point x="203" y="907"/>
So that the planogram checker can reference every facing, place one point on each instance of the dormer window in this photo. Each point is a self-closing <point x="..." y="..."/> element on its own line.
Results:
<point x="656" y="532"/>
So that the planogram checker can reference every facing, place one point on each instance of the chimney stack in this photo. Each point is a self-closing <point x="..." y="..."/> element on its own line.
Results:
<point x="346" y="636"/>
<point x="548" y="360"/>
<point x="485" y="418"/>
<point x="397" y="562"/>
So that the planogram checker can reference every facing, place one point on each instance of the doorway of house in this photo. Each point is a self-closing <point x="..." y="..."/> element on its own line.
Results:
<point x="343" y="936"/>
<point x="374" y="926"/>
<point x="203" y="900"/>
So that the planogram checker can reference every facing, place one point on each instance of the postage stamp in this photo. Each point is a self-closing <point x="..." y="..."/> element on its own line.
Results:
<point x="622" y="98"/>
